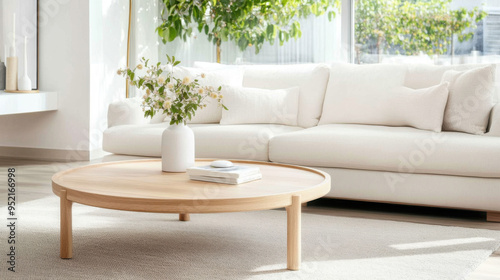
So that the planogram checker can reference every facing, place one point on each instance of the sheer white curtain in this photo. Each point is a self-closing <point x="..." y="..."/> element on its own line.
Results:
<point x="320" y="42"/>
<point x="144" y="41"/>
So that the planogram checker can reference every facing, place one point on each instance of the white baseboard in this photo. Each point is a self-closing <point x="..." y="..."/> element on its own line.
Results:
<point x="44" y="154"/>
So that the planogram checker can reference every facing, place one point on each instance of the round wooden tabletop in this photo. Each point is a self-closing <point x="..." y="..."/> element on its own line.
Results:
<point x="140" y="185"/>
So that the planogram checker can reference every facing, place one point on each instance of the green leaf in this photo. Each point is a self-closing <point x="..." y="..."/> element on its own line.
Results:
<point x="172" y="34"/>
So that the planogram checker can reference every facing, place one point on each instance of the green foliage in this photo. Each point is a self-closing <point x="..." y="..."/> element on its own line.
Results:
<point x="413" y="26"/>
<point x="246" y="22"/>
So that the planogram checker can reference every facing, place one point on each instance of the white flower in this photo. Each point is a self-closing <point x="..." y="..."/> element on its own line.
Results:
<point x="170" y="85"/>
<point x="213" y="95"/>
<point x="119" y="72"/>
<point x="139" y="66"/>
<point x="161" y="80"/>
<point x="186" y="80"/>
<point x="167" y="104"/>
<point x="203" y="75"/>
<point x="201" y="91"/>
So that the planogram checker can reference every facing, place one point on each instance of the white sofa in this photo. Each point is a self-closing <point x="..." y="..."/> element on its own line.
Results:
<point x="390" y="164"/>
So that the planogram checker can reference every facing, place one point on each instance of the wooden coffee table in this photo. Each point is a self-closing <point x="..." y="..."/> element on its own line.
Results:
<point x="142" y="186"/>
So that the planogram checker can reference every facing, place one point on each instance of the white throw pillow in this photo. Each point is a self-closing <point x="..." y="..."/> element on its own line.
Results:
<point x="470" y="100"/>
<point x="215" y="78"/>
<point x="312" y="80"/>
<point x="253" y="105"/>
<point x="398" y="106"/>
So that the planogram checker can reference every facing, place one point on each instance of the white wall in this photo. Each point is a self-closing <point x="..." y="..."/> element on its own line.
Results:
<point x="64" y="67"/>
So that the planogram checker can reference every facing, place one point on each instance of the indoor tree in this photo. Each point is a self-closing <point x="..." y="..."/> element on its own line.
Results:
<point x="246" y="22"/>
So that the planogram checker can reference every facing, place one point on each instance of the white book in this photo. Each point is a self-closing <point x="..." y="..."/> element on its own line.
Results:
<point x="231" y="181"/>
<point x="237" y="171"/>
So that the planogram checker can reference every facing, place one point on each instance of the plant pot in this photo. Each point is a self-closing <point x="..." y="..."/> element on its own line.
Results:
<point x="177" y="148"/>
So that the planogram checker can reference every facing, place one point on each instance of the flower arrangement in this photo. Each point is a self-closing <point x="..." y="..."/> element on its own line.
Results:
<point x="170" y="95"/>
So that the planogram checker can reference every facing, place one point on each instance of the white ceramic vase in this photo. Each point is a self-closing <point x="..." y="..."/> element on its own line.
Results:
<point x="177" y="148"/>
<point x="24" y="83"/>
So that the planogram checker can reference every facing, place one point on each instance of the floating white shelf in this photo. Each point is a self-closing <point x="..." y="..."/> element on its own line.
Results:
<point x="20" y="103"/>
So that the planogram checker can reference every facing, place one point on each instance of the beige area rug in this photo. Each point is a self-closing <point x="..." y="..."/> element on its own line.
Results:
<point x="112" y="244"/>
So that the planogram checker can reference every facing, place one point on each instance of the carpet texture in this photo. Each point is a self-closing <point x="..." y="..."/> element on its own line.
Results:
<point x="112" y="244"/>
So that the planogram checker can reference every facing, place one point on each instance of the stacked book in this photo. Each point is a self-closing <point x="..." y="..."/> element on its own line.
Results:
<point x="226" y="175"/>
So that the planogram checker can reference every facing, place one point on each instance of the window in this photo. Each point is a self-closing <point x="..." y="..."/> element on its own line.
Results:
<point x="426" y="31"/>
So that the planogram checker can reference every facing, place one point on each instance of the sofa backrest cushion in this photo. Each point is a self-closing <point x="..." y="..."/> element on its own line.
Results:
<point x="374" y="94"/>
<point x="312" y="79"/>
<point x="425" y="75"/>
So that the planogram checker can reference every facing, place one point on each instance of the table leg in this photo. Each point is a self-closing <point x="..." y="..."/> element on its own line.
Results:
<point x="66" y="227"/>
<point x="293" y="233"/>
<point x="184" y="217"/>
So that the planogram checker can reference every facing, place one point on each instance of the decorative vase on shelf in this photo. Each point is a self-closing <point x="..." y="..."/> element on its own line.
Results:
<point x="24" y="83"/>
<point x="177" y="148"/>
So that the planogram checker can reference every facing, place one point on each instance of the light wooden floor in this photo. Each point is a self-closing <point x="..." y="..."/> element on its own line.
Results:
<point x="34" y="177"/>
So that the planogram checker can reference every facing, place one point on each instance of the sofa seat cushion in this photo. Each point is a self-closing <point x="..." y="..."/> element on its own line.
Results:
<point x="211" y="140"/>
<point x="395" y="149"/>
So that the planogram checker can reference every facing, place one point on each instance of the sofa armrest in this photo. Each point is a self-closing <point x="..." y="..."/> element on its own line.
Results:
<point x="494" y="127"/>
<point x="127" y="111"/>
